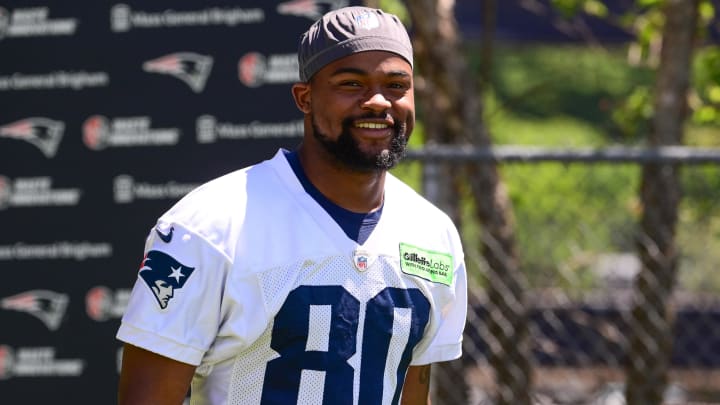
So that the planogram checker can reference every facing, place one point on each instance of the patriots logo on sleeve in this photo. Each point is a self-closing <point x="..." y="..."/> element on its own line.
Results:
<point x="163" y="275"/>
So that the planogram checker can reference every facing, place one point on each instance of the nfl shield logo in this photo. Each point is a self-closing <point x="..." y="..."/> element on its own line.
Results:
<point x="361" y="261"/>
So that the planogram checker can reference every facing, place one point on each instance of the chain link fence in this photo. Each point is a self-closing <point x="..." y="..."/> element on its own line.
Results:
<point x="589" y="325"/>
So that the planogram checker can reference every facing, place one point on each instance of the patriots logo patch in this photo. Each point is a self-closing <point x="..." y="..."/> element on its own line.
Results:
<point x="191" y="68"/>
<point x="163" y="275"/>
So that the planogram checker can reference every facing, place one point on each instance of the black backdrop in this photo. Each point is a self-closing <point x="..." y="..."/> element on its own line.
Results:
<point x="109" y="112"/>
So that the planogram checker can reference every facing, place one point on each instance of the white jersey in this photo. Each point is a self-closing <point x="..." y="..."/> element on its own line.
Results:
<point x="251" y="280"/>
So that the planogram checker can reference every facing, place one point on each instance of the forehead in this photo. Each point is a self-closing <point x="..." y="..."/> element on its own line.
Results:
<point x="369" y="62"/>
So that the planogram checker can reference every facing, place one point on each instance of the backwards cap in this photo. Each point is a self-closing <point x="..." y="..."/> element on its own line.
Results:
<point x="350" y="30"/>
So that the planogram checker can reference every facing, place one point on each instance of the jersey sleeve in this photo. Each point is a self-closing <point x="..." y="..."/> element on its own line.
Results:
<point x="175" y="306"/>
<point x="446" y="343"/>
<point x="450" y="309"/>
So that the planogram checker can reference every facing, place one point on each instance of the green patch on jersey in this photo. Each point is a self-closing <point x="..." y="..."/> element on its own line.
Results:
<point x="432" y="266"/>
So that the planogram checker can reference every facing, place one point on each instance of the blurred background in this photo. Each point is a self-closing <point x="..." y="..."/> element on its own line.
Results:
<point x="574" y="143"/>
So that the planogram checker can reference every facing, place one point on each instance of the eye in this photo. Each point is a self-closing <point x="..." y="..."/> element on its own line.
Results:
<point x="350" y="83"/>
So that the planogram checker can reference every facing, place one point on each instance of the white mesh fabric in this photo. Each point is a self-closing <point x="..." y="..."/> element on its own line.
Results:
<point x="249" y="367"/>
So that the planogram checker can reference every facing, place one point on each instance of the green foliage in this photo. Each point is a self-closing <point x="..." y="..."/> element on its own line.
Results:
<point x="396" y="7"/>
<point x="597" y="87"/>
<point x="411" y="172"/>
<point x="569" y="8"/>
<point x="646" y="21"/>
<point x="707" y="12"/>
<point x="565" y="213"/>
<point x="632" y="115"/>
<point x="647" y="26"/>
<point x="649" y="3"/>
<point x="706" y="75"/>
<point x="568" y="215"/>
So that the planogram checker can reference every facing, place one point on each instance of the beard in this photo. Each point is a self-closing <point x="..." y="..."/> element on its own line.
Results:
<point x="346" y="150"/>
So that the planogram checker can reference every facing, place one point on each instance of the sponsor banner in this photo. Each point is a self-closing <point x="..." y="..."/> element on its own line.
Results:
<point x="36" y="362"/>
<point x="123" y="18"/>
<point x="34" y="22"/>
<point x="60" y="79"/>
<point x="35" y="192"/>
<point x="111" y="112"/>
<point x="62" y="250"/>
<point x="209" y="130"/>
<point x="100" y="132"/>
<point x="128" y="190"/>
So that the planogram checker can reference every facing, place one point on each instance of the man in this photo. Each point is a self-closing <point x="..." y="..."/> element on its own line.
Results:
<point x="314" y="277"/>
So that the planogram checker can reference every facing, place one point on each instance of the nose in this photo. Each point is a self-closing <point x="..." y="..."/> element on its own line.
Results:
<point x="376" y="102"/>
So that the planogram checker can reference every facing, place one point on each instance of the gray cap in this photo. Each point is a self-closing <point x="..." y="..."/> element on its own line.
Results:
<point x="350" y="30"/>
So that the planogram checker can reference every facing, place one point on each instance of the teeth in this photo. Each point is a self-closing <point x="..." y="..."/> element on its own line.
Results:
<point x="371" y="125"/>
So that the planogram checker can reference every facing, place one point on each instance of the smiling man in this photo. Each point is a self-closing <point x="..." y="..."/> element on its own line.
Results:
<point x="315" y="277"/>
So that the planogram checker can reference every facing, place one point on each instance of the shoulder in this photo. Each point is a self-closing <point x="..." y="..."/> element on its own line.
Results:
<point x="418" y="219"/>
<point x="412" y="203"/>
<point x="218" y="210"/>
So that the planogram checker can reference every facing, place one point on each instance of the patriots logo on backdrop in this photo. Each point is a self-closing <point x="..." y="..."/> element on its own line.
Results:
<point x="163" y="275"/>
<point x="47" y="306"/>
<point x="312" y="9"/>
<point x="191" y="68"/>
<point x="44" y="133"/>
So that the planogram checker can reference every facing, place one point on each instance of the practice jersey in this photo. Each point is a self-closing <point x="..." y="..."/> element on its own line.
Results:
<point x="248" y="278"/>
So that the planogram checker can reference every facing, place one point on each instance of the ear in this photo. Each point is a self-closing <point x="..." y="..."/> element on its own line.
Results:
<point x="301" y="94"/>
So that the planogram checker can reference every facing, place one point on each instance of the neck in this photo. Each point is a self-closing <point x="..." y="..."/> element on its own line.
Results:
<point x="353" y="190"/>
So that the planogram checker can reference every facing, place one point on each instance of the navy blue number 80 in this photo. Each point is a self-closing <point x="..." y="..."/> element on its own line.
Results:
<point x="289" y="339"/>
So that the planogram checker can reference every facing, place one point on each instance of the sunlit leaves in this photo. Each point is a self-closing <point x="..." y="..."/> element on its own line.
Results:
<point x="569" y="8"/>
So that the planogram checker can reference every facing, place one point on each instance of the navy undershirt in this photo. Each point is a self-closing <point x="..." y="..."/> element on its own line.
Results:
<point x="357" y="226"/>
